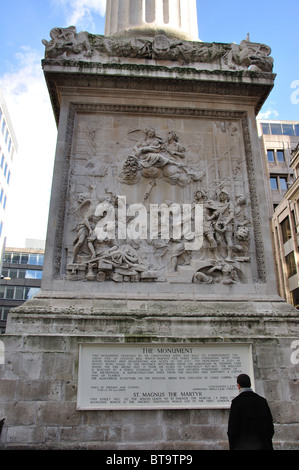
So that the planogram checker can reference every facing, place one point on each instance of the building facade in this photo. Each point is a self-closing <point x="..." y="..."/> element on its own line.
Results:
<point x="8" y="152"/>
<point x="285" y="232"/>
<point x="21" y="278"/>
<point x="278" y="140"/>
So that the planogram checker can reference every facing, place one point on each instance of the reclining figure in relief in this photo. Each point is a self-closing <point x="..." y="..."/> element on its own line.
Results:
<point x="154" y="157"/>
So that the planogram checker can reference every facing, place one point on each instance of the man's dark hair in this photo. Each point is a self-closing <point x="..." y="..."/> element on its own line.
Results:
<point x="243" y="380"/>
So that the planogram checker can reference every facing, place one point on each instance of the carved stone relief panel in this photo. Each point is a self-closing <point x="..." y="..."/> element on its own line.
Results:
<point x="136" y="182"/>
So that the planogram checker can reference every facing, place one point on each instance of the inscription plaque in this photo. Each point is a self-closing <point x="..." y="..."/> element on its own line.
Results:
<point x="164" y="376"/>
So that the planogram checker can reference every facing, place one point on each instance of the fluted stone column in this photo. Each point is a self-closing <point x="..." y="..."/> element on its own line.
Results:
<point x="132" y="17"/>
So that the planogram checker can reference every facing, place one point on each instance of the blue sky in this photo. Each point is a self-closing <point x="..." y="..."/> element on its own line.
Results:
<point x="27" y="22"/>
<point x="24" y="23"/>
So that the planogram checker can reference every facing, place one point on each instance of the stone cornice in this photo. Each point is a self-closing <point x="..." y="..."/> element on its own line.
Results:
<point x="60" y="73"/>
<point x="80" y="66"/>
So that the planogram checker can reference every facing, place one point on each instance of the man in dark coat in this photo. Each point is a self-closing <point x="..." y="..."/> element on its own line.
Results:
<point x="250" y="425"/>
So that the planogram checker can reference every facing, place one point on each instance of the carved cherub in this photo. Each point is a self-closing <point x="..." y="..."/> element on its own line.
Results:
<point x="65" y="42"/>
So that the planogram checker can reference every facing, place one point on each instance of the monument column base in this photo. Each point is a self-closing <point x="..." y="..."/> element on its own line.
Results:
<point x="41" y="378"/>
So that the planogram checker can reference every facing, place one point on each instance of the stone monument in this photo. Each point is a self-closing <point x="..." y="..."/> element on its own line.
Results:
<point x="159" y="282"/>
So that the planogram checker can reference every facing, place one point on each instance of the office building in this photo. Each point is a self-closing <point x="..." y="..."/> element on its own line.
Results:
<point x="278" y="140"/>
<point x="8" y="152"/>
<point x="285" y="230"/>
<point x="20" y="279"/>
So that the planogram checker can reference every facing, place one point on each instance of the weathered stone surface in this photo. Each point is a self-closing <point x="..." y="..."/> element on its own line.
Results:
<point x="158" y="121"/>
<point x="46" y="408"/>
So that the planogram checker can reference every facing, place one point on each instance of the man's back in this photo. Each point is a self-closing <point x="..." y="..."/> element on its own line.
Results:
<point x="250" y="423"/>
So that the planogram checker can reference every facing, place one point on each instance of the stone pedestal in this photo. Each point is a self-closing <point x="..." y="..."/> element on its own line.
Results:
<point x="150" y="121"/>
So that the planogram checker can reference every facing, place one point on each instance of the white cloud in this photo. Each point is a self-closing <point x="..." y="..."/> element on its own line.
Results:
<point x="269" y="113"/>
<point x="31" y="113"/>
<point x="80" y="12"/>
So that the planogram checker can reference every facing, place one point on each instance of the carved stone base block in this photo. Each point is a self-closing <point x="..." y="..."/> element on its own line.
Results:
<point x="156" y="138"/>
<point x="39" y="385"/>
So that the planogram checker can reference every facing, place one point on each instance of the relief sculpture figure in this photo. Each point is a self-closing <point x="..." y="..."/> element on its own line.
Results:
<point x="84" y="227"/>
<point x="224" y="215"/>
<point x="226" y="230"/>
<point x="201" y="197"/>
<point x="155" y="157"/>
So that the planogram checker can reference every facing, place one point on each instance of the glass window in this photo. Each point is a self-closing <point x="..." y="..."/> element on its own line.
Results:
<point x="5" y="272"/>
<point x="24" y="258"/>
<point x="41" y="260"/>
<point x="3" y="126"/>
<point x="265" y="128"/>
<point x="294" y="220"/>
<point x="2" y="161"/>
<point x="7" y="257"/>
<point x="30" y="274"/>
<point x="283" y="183"/>
<point x="273" y="182"/>
<point x="296" y="127"/>
<point x="10" y="291"/>
<point x="36" y="259"/>
<point x="295" y="297"/>
<point x="270" y="154"/>
<point x="291" y="264"/>
<point x="5" y="313"/>
<point x="280" y="155"/>
<point x="22" y="273"/>
<point x="276" y="129"/>
<point x="13" y="273"/>
<point x="286" y="230"/>
<point x="16" y="258"/>
<point x="19" y="293"/>
<point x="30" y="292"/>
<point x="33" y="274"/>
<point x="288" y="129"/>
<point x="2" y="292"/>
<point x="33" y="259"/>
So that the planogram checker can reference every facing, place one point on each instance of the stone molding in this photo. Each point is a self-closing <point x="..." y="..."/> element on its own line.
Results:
<point x="222" y="83"/>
